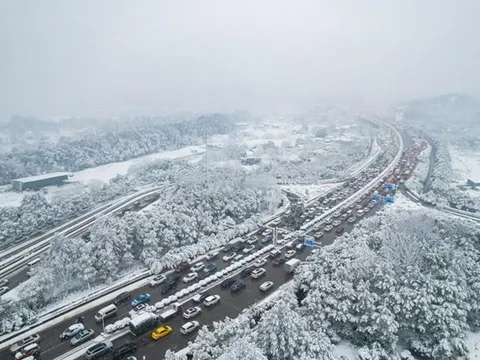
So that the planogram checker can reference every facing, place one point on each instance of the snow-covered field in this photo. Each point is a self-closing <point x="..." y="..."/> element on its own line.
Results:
<point x="466" y="165"/>
<point x="473" y="345"/>
<point x="103" y="173"/>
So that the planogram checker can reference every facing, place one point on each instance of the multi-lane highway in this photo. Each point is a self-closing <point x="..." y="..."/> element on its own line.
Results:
<point x="15" y="268"/>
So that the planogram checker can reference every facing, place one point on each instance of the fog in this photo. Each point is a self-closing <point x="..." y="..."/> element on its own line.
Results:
<point x="115" y="57"/>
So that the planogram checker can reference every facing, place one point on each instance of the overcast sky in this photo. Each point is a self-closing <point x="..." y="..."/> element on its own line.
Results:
<point x="66" y="57"/>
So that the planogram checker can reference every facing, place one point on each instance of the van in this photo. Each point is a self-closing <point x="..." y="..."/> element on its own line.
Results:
<point x="105" y="313"/>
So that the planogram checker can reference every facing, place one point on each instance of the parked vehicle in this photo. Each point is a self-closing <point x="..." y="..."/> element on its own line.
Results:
<point x="189" y="327"/>
<point x="29" y="350"/>
<point x="258" y="272"/>
<point x="170" y="313"/>
<point x="198" y="298"/>
<point x="197" y="266"/>
<point x="124" y="350"/>
<point x="4" y="289"/>
<point x="227" y="283"/>
<point x="267" y="285"/>
<point x="339" y="231"/>
<point x="121" y="298"/>
<point x="142" y="323"/>
<point x="71" y="331"/>
<point x="289" y="254"/>
<point x="105" y="313"/>
<point x="98" y="350"/>
<point x="81" y="337"/>
<point x="211" y="300"/>
<point x="278" y="261"/>
<point x="260" y="262"/>
<point x="35" y="338"/>
<point x="245" y="273"/>
<point x="157" y="280"/>
<point x="190" y="277"/>
<point x="291" y="265"/>
<point x="183" y="266"/>
<point x="210" y="268"/>
<point x="237" y="286"/>
<point x="141" y="299"/>
<point x="229" y="256"/>
<point x="192" y="312"/>
<point x="212" y="255"/>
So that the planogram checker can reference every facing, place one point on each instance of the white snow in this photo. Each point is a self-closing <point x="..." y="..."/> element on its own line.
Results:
<point x="344" y="348"/>
<point x="415" y="183"/>
<point x="473" y="345"/>
<point x="465" y="165"/>
<point x="307" y="192"/>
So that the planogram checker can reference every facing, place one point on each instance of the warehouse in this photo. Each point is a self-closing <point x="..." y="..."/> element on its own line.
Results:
<point x="39" y="181"/>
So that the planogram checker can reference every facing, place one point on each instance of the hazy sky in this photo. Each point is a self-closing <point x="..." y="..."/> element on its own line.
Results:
<point x="66" y="57"/>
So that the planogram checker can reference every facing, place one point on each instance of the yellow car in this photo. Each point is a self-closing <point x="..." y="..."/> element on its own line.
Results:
<point x="161" y="332"/>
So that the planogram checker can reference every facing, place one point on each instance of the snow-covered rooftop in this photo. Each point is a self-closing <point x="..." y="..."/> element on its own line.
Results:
<point x="41" y="177"/>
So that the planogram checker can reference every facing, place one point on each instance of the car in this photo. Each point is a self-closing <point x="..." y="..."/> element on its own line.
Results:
<point x="190" y="277"/>
<point x="189" y="327"/>
<point x="121" y="298"/>
<point x="257" y="273"/>
<point x="260" y="262"/>
<point x="274" y="254"/>
<point x="229" y="256"/>
<point x="183" y="266"/>
<point x="4" y="289"/>
<point x="319" y="234"/>
<point x="212" y="255"/>
<point x="336" y="214"/>
<point x="140" y="307"/>
<point x="328" y="221"/>
<point x="252" y="240"/>
<point x="278" y="261"/>
<point x="3" y="282"/>
<point x="245" y="273"/>
<point x="72" y="330"/>
<point x="124" y="350"/>
<point x="238" y="257"/>
<point x="141" y="299"/>
<point x="210" y="268"/>
<point x="360" y="213"/>
<point x="211" y="300"/>
<point x="35" y="338"/>
<point x="81" y="337"/>
<point x="267" y="285"/>
<point x="371" y="205"/>
<point x="339" y="231"/>
<point x="248" y="249"/>
<point x="198" y="298"/>
<point x="98" y="350"/>
<point x="192" y="312"/>
<point x="168" y="286"/>
<point x="227" y="283"/>
<point x="237" y="286"/>
<point x="344" y="217"/>
<point x="267" y="239"/>
<point x="313" y="251"/>
<point x="29" y="350"/>
<point x="157" y="280"/>
<point x="352" y="219"/>
<point x="300" y="247"/>
<point x="161" y="332"/>
<point x="197" y="266"/>
<point x="289" y="254"/>
<point x="328" y="228"/>
<point x="290" y="245"/>
<point x="336" y="223"/>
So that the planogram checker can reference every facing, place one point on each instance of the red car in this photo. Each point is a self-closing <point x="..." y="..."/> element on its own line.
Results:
<point x="183" y="266"/>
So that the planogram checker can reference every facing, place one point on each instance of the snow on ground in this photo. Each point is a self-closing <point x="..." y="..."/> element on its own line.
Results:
<point x="473" y="345"/>
<point x="415" y="183"/>
<point x="466" y="165"/>
<point x="81" y="179"/>
<point x="109" y="171"/>
<point x="345" y="349"/>
<point x="308" y="192"/>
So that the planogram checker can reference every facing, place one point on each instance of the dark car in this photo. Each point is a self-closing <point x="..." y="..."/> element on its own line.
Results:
<point x="167" y="287"/>
<point x="246" y="272"/>
<point x="172" y="278"/>
<point x="210" y="268"/>
<point x="278" y="261"/>
<point x="183" y="266"/>
<point x="339" y="231"/>
<point x="123" y="297"/>
<point x="227" y="283"/>
<point x="124" y="350"/>
<point x="274" y="254"/>
<point x="239" y="247"/>
<point x="237" y="286"/>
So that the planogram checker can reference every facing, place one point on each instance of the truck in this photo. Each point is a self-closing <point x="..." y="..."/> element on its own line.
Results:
<point x="143" y="323"/>
<point x="291" y="265"/>
<point x="170" y="313"/>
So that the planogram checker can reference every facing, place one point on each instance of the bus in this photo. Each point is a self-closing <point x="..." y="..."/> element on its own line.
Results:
<point x="142" y="323"/>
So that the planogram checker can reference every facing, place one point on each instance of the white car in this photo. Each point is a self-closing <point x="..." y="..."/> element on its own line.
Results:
<point x="336" y="214"/>
<point x="190" y="277"/>
<point x="319" y="234"/>
<point x="314" y="251"/>
<point x="238" y="257"/>
<point x="289" y="254"/>
<point x="229" y="256"/>
<point x="189" y="327"/>
<point x="72" y="330"/>
<point x="157" y="280"/>
<point x="328" y="228"/>
<point x="328" y="221"/>
<point x="212" y="255"/>
<point x="211" y="300"/>
<point x="197" y="266"/>
<point x="248" y="249"/>
<point x="260" y="262"/>
<point x="4" y="289"/>
<point x="336" y="223"/>
<point x="267" y="285"/>
<point x="252" y="241"/>
<point x="351" y="219"/>
<point x="258" y="272"/>
<point x="192" y="312"/>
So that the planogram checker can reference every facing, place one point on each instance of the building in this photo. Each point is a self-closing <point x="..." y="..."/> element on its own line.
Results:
<point x="39" y="181"/>
<point x="472" y="183"/>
